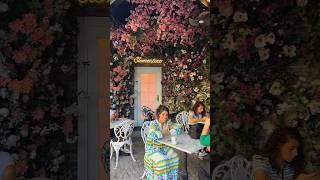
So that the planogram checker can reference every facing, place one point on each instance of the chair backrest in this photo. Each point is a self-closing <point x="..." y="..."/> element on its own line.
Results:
<point x="182" y="119"/>
<point x="124" y="130"/>
<point x="221" y="172"/>
<point x="148" y="114"/>
<point x="237" y="168"/>
<point x="240" y="168"/>
<point x="145" y="130"/>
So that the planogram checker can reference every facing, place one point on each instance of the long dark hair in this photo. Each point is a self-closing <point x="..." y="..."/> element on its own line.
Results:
<point x="160" y="109"/>
<point x="280" y="136"/>
<point x="198" y="104"/>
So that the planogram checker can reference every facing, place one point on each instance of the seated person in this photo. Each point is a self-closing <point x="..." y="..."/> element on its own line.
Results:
<point x="113" y="115"/>
<point x="281" y="158"/>
<point x="7" y="168"/>
<point x="197" y="114"/>
<point x="160" y="161"/>
<point x="204" y="166"/>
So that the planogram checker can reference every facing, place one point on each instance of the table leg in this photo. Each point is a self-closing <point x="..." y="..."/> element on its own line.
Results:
<point x="186" y="165"/>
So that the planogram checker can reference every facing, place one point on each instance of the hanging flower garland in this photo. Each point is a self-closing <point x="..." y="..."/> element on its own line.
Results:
<point x="37" y="109"/>
<point x="253" y="85"/>
<point x="161" y="29"/>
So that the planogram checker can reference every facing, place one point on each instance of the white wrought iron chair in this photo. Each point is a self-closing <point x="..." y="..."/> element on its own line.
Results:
<point x="123" y="134"/>
<point x="182" y="119"/>
<point x="237" y="168"/>
<point x="144" y="133"/>
<point x="148" y="114"/>
<point x="240" y="168"/>
<point x="221" y="172"/>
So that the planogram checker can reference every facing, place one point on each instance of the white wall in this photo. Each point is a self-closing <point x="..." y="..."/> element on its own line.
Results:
<point x="90" y="30"/>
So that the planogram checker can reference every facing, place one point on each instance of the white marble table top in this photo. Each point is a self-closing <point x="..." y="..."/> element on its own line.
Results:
<point x="117" y="122"/>
<point x="184" y="143"/>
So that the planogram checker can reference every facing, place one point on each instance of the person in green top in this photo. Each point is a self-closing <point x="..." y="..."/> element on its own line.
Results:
<point x="204" y="170"/>
<point x="205" y="135"/>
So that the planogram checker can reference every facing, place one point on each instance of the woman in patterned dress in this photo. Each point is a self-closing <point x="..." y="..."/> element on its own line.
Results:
<point x="160" y="161"/>
<point x="282" y="158"/>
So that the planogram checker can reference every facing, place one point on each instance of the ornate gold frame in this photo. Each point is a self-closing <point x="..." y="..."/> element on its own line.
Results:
<point x="141" y="60"/>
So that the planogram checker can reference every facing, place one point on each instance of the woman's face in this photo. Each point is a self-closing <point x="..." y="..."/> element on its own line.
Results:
<point x="289" y="150"/>
<point x="163" y="117"/>
<point x="199" y="109"/>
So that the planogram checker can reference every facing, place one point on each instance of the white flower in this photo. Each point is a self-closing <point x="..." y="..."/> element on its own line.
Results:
<point x="4" y="71"/>
<point x="3" y="93"/>
<point x="183" y="51"/>
<point x="264" y="54"/>
<point x="229" y="43"/>
<point x="226" y="10"/>
<point x="289" y="51"/>
<point x="292" y="122"/>
<point x="268" y="127"/>
<point x="302" y="3"/>
<point x="4" y="112"/>
<point x="185" y="67"/>
<point x="260" y="41"/>
<point x="314" y="107"/>
<point x="204" y="61"/>
<point x="276" y="89"/>
<point x="196" y="89"/>
<point x="192" y="78"/>
<point x="218" y="78"/>
<point x="3" y="7"/>
<point x="200" y="77"/>
<point x="189" y="60"/>
<point x="3" y="34"/>
<point x="72" y="109"/>
<point x="283" y="107"/>
<point x="240" y="17"/>
<point x="25" y="98"/>
<point x="24" y="132"/>
<point x="12" y="141"/>
<point x="33" y="154"/>
<point x="270" y="38"/>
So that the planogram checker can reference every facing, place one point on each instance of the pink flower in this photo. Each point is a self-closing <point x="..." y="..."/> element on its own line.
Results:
<point x="38" y="34"/>
<point x="42" y="172"/>
<point x="116" y="88"/>
<point x="38" y="114"/>
<point x="3" y="81"/>
<point x="67" y="125"/>
<point x="23" y="86"/>
<point x="248" y="119"/>
<point x="48" y="7"/>
<point x="21" y="167"/>
<point x="30" y="23"/>
<point x="47" y="40"/>
<point x="19" y="56"/>
<point x="16" y="25"/>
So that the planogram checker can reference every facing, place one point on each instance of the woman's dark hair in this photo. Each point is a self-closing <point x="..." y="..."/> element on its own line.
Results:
<point x="160" y="109"/>
<point x="280" y="136"/>
<point x="198" y="104"/>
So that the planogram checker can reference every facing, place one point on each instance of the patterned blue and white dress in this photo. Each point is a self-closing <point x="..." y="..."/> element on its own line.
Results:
<point x="160" y="161"/>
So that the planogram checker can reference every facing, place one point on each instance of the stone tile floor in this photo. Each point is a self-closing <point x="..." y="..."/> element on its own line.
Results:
<point x="129" y="170"/>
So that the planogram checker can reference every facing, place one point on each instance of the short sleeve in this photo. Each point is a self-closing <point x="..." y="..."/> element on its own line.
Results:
<point x="260" y="163"/>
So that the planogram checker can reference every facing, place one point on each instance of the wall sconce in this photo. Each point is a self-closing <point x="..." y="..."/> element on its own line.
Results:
<point x="205" y="2"/>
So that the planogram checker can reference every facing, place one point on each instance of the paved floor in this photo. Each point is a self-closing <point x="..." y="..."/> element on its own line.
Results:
<point x="129" y="170"/>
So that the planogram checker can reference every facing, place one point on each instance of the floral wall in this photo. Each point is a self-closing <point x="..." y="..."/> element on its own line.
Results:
<point x="38" y="86"/>
<point x="161" y="29"/>
<point x="264" y="73"/>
